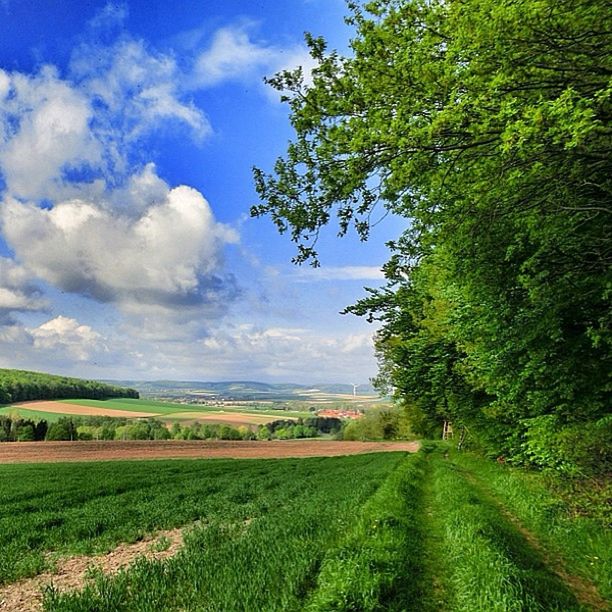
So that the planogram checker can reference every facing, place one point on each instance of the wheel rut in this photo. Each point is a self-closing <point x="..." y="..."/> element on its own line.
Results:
<point x="583" y="590"/>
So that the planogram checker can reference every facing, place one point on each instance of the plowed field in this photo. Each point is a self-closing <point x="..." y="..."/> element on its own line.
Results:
<point x="40" y="452"/>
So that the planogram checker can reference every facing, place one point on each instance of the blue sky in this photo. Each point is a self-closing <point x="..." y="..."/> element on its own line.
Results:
<point x="127" y="136"/>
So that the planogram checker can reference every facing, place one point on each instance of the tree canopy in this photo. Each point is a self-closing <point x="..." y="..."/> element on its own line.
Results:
<point x="487" y="124"/>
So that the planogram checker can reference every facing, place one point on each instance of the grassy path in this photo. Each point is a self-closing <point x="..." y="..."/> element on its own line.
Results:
<point x="583" y="590"/>
<point x="496" y="562"/>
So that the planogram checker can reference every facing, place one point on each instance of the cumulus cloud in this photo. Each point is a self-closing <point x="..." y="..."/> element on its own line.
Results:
<point x="234" y="56"/>
<point x="67" y="336"/>
<point x="134" y="89"/>
<point x="167" y="255"/>
<point x="17" y="291"/>
<point x="59" y="134"/>
<point x="288" y="353"/>
<point x="44" y="130"/>
<point x="110" y="228"/>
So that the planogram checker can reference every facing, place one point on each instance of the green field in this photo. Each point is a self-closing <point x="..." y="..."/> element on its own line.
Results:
<point x="159" y="409"/>
<point x="432" y="531"/>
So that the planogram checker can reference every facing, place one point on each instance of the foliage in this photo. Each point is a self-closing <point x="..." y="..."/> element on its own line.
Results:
<point x="487" y="125"/>
<point x="377" y="425"/>
<point x="22" y="385"/>
<point x="289" y="429"/>
<point x="18" y="429"/>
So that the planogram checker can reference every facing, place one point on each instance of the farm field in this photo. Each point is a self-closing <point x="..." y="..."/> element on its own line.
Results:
<point x="135" y="408"/>
<point x="431" y="531"/>
<point x="41" y="452"/>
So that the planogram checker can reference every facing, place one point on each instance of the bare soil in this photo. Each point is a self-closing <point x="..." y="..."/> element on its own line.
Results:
<point x="223" y="418"/>
<point x="42" y="452"/>
<point x="78" y="410"/>
<point x="71" y="573"/>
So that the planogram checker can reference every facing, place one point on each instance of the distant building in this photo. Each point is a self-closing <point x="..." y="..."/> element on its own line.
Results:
<point x="340" y="414"/>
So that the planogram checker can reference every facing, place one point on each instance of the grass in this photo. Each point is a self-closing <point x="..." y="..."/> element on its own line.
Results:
<point x="368" y="570"/>
<point x="583" y="544"/>
<point x="436" y="531"/>
<point x="36" y="415"/>
<point x="493" y="567"/>
<point x="90" y="507"/>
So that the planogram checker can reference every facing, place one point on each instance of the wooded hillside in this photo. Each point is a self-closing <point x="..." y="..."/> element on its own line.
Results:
<point x="22" y="385"/>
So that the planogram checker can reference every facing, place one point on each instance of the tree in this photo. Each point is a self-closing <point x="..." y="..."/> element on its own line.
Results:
<point x="487" y="124"/>
<point x="63" y="429"/>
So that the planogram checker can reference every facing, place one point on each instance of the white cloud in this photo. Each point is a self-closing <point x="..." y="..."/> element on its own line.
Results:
<point x="168" y="255"/>
<point x="45" y="130"/>
<point x="135" y="90"/>
<point x="288" y="353"/>
<point x="17" y="292"/>
<point x="59" y="134"/>
<point x="234" y="56"/>
<point x="339" y="273"/>
<point x="67" y="336"/>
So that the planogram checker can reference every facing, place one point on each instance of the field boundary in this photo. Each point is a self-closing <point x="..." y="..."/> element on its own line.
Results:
<point x="116" y="450"/>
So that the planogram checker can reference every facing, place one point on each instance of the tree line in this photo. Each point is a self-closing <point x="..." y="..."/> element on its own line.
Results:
<point x="18" y="429"/>
<point x="486" y="125"/>
<point x="22" y="386"/>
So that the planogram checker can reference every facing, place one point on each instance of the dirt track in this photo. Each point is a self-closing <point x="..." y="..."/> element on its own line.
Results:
<point x="41" y="452"/>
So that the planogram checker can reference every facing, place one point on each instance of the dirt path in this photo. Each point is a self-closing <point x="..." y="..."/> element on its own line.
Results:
<point x="71" y="573"/>
<point x="583" y="590"/>
<point x="39" y="452"/>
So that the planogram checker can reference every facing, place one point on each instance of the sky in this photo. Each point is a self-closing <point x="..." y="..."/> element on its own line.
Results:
<point x="128" y="134"/>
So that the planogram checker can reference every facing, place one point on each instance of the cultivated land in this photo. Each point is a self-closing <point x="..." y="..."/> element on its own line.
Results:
<point x="168" y="412"/>
<point x="41" y="452"/>
<point x="431" y="531"/>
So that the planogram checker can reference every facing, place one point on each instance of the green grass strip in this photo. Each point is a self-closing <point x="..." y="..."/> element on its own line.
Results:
<point x="493" y="567"/>
<point x="377" y="566"/>
<point x="583" y="543"/>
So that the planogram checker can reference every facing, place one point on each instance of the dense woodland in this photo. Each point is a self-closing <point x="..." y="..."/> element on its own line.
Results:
<point x="486" y="124"/>
<point x="22" y="386"/>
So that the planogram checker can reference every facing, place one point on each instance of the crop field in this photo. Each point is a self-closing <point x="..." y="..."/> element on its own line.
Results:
<point x="166" y="411"/>
<point x="427" y="532"/>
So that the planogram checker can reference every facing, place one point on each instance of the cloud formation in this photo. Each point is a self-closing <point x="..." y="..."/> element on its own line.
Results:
<point x="17" y="291"/>
<point x="110" y="228"/>
<point x="233" y="55"/>
<point x="339" y="273"/>
<point x="44" y="130"/>
<point x="168" y="255"/>
<point x="67" y="336"/>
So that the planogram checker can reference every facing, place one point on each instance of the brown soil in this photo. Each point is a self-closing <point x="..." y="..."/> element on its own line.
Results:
<point x="40" y="452"/>
<point x="224" y="418"/>
<point x="77" y="409"/>
<point x="71" y="573"/>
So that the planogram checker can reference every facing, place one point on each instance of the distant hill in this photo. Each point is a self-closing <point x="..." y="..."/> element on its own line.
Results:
<point x="242" y="390"/>
<point x="23" y="385"/>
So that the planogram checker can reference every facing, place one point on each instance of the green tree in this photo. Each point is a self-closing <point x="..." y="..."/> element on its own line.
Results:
<point x="63" y="429"/>
<point x="486" y="123"/>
